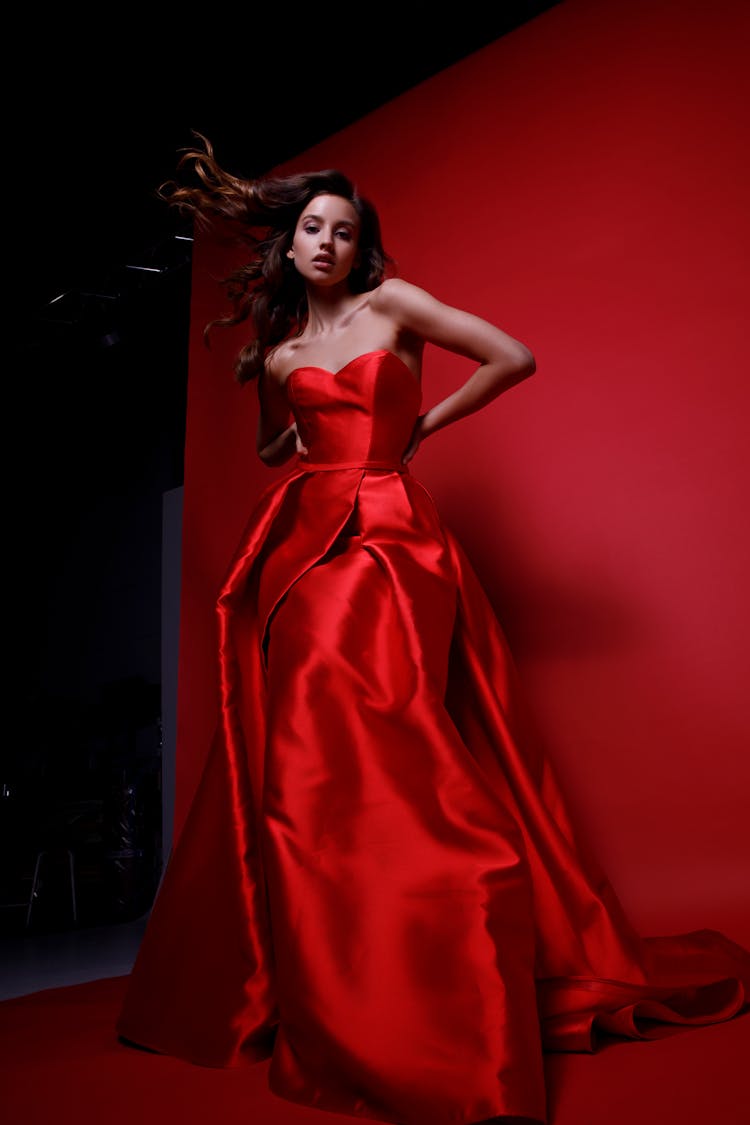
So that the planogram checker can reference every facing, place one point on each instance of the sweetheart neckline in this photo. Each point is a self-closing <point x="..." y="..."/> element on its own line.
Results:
<point x="355" y="359"/>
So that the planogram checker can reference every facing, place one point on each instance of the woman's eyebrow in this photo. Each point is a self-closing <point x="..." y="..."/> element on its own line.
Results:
<point x="340" y="223"/>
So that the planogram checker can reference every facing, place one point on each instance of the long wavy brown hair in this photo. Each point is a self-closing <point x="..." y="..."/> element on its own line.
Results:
<point x="262" y="214"/>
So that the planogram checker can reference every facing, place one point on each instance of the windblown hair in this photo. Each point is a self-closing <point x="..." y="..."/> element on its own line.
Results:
<point x="263" y="214"/>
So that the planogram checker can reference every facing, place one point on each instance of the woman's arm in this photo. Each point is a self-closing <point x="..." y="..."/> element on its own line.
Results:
<point x="276" y="439"/>
<point x="502" y="360"/>
<point x="284" y="446"/>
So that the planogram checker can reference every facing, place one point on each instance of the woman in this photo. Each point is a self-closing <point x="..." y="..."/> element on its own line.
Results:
<point x="378" y="885"/>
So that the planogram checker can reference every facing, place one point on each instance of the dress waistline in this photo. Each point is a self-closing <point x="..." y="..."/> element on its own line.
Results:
<point x="333" y="466"/>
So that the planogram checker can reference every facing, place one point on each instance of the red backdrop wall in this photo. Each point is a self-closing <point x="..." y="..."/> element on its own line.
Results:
<point x="583" y="182"/>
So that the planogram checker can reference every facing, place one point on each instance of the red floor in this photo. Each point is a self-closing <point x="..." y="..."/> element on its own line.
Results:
<point x="62" y="1065"/>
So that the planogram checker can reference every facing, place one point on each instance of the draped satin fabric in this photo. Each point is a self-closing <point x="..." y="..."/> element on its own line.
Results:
<point x="378" y="885"/>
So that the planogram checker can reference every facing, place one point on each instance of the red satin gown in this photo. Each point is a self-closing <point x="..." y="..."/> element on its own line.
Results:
<point x="378" y="885"/>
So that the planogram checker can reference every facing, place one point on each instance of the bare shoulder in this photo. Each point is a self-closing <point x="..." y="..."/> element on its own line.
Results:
<point x="277" y="364"/>
<point x="395" y="295"/>
<point x="419" y="314"/>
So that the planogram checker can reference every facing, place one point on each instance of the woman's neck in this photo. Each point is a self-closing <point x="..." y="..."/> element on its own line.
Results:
<point x="331" y="310"/>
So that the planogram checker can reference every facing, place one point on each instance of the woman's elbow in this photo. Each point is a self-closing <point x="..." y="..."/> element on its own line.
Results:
<point x="524" y="362"/>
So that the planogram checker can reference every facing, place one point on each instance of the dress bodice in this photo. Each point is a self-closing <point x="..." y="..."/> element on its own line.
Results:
<point x="361" y="415"/>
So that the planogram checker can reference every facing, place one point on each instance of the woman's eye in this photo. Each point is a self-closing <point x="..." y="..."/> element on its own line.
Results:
<point x="310" y="229"/>
<point x="345" y="234"/>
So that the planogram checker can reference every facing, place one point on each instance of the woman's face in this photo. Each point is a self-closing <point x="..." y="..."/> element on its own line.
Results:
<point x="326" y="239"/>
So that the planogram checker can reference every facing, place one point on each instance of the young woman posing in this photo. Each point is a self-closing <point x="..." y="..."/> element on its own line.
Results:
<point x="378" y="885"/>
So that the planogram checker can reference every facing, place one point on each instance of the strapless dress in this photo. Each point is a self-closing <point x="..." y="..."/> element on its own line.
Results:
<point x="379" y="885"/>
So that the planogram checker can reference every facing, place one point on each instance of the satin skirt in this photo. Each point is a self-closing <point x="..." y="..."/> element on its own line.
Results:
<point x="379" y="885"/>
<point x="400" y="898"/>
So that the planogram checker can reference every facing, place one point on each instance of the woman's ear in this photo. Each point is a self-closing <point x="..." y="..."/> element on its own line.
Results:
<point x="290" y="253"/>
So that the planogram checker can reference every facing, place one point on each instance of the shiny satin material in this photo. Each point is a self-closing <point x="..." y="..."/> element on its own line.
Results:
<point x="378" y="884"/>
